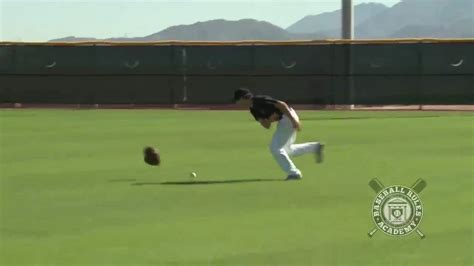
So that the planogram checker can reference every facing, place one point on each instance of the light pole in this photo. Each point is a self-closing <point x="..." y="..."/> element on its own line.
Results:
<point x="348" y="34"/>
<point x="347" y="20"/>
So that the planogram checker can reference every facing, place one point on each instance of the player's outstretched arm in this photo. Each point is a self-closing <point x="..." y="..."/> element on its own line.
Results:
<point x="283" y="107"/>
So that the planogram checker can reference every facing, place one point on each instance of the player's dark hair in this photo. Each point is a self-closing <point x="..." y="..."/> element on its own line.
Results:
<point x="242" y="93"/>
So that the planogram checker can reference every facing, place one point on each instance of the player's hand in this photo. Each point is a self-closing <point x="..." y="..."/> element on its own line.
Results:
<point x="296" y="125"/>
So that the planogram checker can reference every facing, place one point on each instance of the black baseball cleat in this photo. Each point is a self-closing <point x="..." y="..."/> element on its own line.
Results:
<point x="319" y="153"/>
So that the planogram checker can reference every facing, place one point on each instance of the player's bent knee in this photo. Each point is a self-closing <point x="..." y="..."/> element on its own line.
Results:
<point x="276" y="149"/>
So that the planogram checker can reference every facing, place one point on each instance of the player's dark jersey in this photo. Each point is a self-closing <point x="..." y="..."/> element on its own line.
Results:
<point x="263" y="107"/>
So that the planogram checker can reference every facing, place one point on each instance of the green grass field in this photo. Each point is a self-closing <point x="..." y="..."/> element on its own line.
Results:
<point x="75" y="191"/>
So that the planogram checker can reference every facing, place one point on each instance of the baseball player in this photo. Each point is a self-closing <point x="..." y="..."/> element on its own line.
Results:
<point x="267" y="110"/>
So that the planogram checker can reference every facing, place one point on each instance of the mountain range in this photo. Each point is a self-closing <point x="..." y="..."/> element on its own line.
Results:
<point x="406" y="19"/>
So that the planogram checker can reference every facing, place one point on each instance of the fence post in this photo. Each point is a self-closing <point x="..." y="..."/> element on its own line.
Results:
<point x="184" y="62"/>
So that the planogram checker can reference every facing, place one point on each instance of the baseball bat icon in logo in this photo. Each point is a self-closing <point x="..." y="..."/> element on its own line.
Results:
<point x="397" y="210"/>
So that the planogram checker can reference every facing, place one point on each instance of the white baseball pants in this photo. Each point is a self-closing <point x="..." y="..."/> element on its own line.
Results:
<point x="282" y="146"/>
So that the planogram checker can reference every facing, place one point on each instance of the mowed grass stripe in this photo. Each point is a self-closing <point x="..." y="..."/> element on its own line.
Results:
<point x="69" y="194"/>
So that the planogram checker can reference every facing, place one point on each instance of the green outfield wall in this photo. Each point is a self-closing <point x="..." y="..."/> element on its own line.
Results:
<point x="330" y="72"/>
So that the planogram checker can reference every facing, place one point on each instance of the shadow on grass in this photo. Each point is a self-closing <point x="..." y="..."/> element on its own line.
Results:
<point x="204" y="182"/>
<point x="122" y="180"/>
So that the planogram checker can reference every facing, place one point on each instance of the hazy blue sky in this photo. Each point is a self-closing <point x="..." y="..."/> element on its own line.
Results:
<point x="39" y="20"/>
